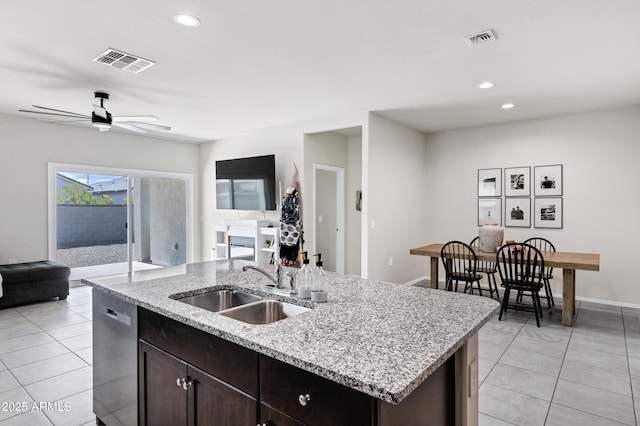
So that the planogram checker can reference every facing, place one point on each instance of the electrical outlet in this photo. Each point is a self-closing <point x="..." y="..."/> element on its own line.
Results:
<point x="11" y="261"/>
<point x="373" y="224"/>
<point x="390" y="261"/>
<point x="320" y="219"/>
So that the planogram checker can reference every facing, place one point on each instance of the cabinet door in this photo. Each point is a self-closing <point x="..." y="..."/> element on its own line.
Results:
<point x="161" y="400"/>
<point x="311" y="399"/>
<point x="272" y="417"/>
<point x="213" y="402"/>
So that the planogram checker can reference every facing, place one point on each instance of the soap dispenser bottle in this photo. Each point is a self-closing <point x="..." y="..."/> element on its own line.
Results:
<point x="319" y="287"/>
<point x="305" y="279"/>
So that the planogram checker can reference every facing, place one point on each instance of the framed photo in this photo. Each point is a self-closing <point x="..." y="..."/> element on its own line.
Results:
<point x="548" y="212"/>
<point x="489" y="182"/>
<point x="489" y="211"/>
<point x="517" y="182"/>
<point x="547" y="180"/>
<point x="517" y="212"/>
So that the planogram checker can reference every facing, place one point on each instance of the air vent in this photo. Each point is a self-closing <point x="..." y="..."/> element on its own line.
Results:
<point x="481" y="37"/>
<point x="124" y="61"/>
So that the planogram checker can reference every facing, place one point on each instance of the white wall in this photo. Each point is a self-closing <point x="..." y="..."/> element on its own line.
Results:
<point x="353" y="217"/>
<point x="27" y="145"/>
<point x="286" y="142"/>
<point x="329" y="149"/>
<point x="394" y="198"/>
<point x="599" y="152"/>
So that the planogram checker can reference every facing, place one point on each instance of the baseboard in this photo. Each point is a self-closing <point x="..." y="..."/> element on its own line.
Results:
<point x="608" y="302"/>
<point x="417" y="280"/>
<point x="582" y="299"/>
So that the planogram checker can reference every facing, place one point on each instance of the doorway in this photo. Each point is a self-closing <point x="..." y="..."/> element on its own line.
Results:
<point x="328" y="213"/>
<point x="125" y="220"/>
<point x="339" y="148"/>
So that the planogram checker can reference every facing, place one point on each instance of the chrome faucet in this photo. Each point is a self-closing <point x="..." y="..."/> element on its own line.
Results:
<point x="280" y="276"/>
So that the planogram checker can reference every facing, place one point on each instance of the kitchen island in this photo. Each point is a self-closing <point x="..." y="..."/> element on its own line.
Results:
<point x="395" y="353"/>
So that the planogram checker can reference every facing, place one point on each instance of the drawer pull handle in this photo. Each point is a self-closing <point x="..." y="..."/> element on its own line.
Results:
<point x="185" y="383"/>
<point x="303" y="399"/>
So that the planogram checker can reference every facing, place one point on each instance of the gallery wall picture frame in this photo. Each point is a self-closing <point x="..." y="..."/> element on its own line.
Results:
<point x="489" y="211"/>
<point x="489" y="182"/>
<point x="517" y="181"/>
<point x="517" y="212"/>
<point x="548" y="212"/>
<point x="547" y="180"/>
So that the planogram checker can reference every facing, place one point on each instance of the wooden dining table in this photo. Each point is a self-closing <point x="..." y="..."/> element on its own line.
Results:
<point x="569" y="262"/>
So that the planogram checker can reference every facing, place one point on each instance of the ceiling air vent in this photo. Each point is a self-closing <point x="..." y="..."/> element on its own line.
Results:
<point x="481" y="37"/>
<point x="124" y="61"/>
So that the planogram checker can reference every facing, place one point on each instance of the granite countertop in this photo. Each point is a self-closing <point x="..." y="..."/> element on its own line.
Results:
<point x="380" y="338"/>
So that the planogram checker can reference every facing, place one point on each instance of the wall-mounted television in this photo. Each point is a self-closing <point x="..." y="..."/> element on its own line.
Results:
<point x="246" y="183"/>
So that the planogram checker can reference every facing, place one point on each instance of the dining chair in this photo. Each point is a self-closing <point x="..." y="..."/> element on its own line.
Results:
<point x="460" y="263"/>
<point x="543" y="244"/>
<point x="488" y="268"/>
<point x="521" y="267"/>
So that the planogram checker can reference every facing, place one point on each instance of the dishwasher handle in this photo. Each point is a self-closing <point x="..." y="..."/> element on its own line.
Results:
<point x="116" y="315"/>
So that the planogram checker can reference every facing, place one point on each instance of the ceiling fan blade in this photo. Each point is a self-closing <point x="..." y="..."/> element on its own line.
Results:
<point x="147" y="126"/>
<point x="86" y="117"/>
<point x="69" y="121"/>
<point x="100" y="112"/>
<point x="131" y="127"/>
<point x="58" y="121"/>
<point x="59" y="110"/>
<point x="134" y="118"/>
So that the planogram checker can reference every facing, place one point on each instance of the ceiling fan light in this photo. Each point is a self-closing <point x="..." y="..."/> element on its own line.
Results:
<point x="187" y="20"/>
<point x="102" y="126"/>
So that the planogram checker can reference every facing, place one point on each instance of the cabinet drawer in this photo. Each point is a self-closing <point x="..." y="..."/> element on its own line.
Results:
<point x="329" y="403"/>
<point x="273" y="417"/>
<point x="228" y="361"/>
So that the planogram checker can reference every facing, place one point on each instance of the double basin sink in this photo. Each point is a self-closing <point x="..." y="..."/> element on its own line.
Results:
<point x="245" y="307"/>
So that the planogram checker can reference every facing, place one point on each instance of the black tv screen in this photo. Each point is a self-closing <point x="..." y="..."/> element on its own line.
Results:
<point x="246" y="183"/>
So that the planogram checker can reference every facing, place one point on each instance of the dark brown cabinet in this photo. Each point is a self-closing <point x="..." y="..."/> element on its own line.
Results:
<point x="189" y="377"/>
<point x="161" y="401"/>
<point x="309" y="398"/>
<point x="173" y="392"/>
<point x="272" y="417"/>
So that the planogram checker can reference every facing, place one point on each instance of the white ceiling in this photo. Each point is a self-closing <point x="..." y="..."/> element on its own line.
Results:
<point x="254" y="64"/>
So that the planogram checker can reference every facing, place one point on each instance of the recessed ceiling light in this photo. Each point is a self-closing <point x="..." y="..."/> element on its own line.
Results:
<point x="507" y="106"/>
<point x="187" y="20"/>
<point x="486" y="85"/>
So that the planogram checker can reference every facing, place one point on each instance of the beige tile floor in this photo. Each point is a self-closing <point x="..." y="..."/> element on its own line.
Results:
<point x="45" y="362"/>
<point x="552" y="375"/>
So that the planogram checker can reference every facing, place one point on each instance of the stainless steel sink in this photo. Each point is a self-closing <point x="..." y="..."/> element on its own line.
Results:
<point x="219" y="300"/>
<point x="264" y="312"/>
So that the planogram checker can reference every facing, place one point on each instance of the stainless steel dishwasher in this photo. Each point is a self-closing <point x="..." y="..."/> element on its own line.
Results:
<point x="115" y="360"/>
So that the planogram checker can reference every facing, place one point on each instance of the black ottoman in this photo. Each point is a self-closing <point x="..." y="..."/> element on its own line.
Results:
<point x="33" y="282"/>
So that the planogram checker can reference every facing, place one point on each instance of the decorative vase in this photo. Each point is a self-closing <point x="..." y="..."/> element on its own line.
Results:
<point x="491" y="237"/>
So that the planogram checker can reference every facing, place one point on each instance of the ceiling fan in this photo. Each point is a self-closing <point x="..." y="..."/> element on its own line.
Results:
<point x="103" y="120"/>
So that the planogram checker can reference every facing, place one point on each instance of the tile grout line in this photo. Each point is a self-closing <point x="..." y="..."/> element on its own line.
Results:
<point x="23" y="387"/>
<point x="626" y="348"/>
<point x="586" y="412"/>
<point x="555" y="387"/>
<point x="494" y="366"/>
